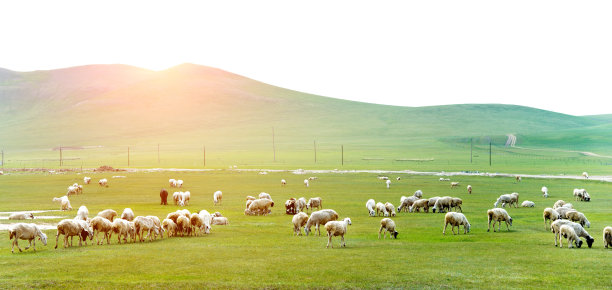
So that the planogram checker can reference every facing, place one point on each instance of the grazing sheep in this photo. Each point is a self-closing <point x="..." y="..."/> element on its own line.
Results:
<point x="418" y="204"/>
<point x="544" y="191"/>
<point x="176" y="196"/>
<point x="381" y="209"/>
<point x="157" y="224"/>
<point x="207" y="218"/>
<point x="388" y="182"/>
<point x="585" y="175"/>
<point x="390" y="208"/>
<point x="103" y="182"/>
<point x="300" y="204"/>
<point x="607" y="237"/>
<point x="406" y="203"/>
<point x="179" y="183"/>
<point x="261" y="206"/>
<point x="69" y="228"/>
<point x="498" y="215"/>
<point x="127" y="214"/>
<point x="100" y="224"/>
<point x="550" y="214"/>
<point x="518" y="178"/>
<point x="21" y="216"/>
<point x="143" y="224"/>
<point x="388" y="225"/>
<point x="197" y="222"/>
<point x="398" y="178"/>
<point x="265" y="195"/>
<point x="250" y="197"/>
<point x="456" y="219"/>
<point x="169" y="226"/>
<point x="444" y="179"/>
<point x="248" y="203"/>
<point x="313" y="178"/>
<point x="120" y="227"/>
<point x="173" y="216"/>
<point x="454" y="184"/>
<point x="568" y="205"/>
<point x="299" y="220"/>
<point x="82" y="213"/>
<point x="370" y="204"/>
<point x="28" y="232"/>
<point x="217" y="197"/>
<point x="109" y="214"/>
<point x="528" y="203"/>
<point x="337" y="228"/>
<point x="418" y="194"/>
<point x="314" y="202"/>
<point x="318" y="218"/>
<point x="469" y="189"/>
<point x="185" y="198"/>
<point x="172" y="182"/>
<point x="163" y="194"/>
<point x="290" y="207"/>
<point x="579" y="217"/>
<point x="558" y="204"/>
<point x="220" y="221"/>
<point x="183" y="225"/>
<point x="72" y="190"/>
<point x="87" y="231"/>
<point x="383" y="178"/>
<point x="504" y="199"/>
<point x="306" y="183"/>
<point x="87" y="180"/>
<point x="283" y="182"/>
<point x="64" y="202"/>
<point x="563" y="211"/>
<point x="580" y="231"/>
<point x="432" y="201"/>
<point x="442" y="204"/>
<point x="581" y="195"/>
<point x="456" y="203"/>
<point x="567" y="231"/>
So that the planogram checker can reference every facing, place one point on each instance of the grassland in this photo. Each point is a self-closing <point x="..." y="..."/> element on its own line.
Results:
<point x="256" y="252"/>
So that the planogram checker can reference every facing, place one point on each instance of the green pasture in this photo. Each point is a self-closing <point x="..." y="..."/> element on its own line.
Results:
<point x="260" y="251"/>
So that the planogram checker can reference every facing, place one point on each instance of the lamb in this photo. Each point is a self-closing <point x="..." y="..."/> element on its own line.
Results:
<point x="179" y="183"/>
<point x="108" y="214"/>
<point x="163" y="195"/>
<point x="100" y="224"/>
<point x="418" y="194"/>
<point x="579" y="217"/>
<point x="127" y="214"/>
<point x="407" y="202"/>
<point x="580" y="231"/>
<point x="585" y="175"/>
<point x="567" y="231"/>
<point x="290" y="207"/>
<point x="442" y="204"/>
<point x="388" y="225"/>
<point x="265" y="195"/>
<point x="21" y="216"/>
<point x="217" y="197"/>
<point x="381" y="209"/>
<point x="318" y="218"/>
<point x="607" y="237"/>
<point x="299" y="220"/>
<point x="550" y="214"/>
<point x="143" y="224"/>
<point x="261" y="206"/>
<point x="454" y="184"/>
<point x="220" y="221"/>
<point x="456" y="203"/>
<point x="306" y="183"/>
<point x="64" y="202"/>
<point x="172" y="182"/>
<point x="528" y="203"/>
<point x="498" y="215"/>
<point x="337" y="228"/>
<point x="418" y="204"/>
<point x="469" y="189"/>
<point x="390" y="208"/>
<point x="300" y="204"/>
<point x="87" y="180"/>
<point x="283" y="182"/>
<point x="70" y="228"/>
<point x="558" y="204"/>
<point x="28" y="232"/>
<point x="544" y="191"/>
<point x="456" y="219"/>
<point x="120" y="227"/>
<point x="82" y="213"/>
<point x="169" y="226"/>
<point x="388" y="182"/>
<point x="314" y="202"/>
<point x="370" y="204"/>
<point x="103" y="182"/>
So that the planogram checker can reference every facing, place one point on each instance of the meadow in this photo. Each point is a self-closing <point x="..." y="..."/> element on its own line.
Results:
<point x="260" y="251"/>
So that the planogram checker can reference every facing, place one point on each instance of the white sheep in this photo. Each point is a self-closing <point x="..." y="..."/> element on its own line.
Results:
<point x="579" y="217"/>
<point x="581" y="195"/>
<point x="179" y="183"/>
<point x="299" y="220"/>
<point x="70" y="228"/>
<point x="370" y="204"/>
<point x="121" y="227"/>
<point x="108" y="214"/>
<point x="398" y="178"/>
<point x="454" y="184"/>
<point x="283" y="182"/>
<point x="207" y="218"/>
<point x="418" y="204"/>
<point x="220" y="221"/>
<point x="505" y="199"/>
<point x="444" y="179"/>
<point x="381" y="209"/>
<point x="456" y="219"/>
<point x="82" y="213"/>
<point x="585" y="175"/>
<point x="64" y="202"/>
<point x="28" y="232"/>
<point x="127" y="214"/>
<point x="172" y="182"/>
<point x="260" y="206"/>
<point x="558" y="204"/>
<point x="265" y="195"/>
<point x="607" y="237"/>
<point x="390" y="208"/>
<point x="103" y="182"/>
<point x="498" y="215"/>
<point x="313" y="178"/>
<point x="217" y="197"/>
<point x="418" y="194"/>
<point x="388" y="182"/>
<point x="157" y="224"/>
<point x="383" y="178"/>
<point x="169" y="226"/>
<point x="72" y="190"/>
<point x="406" y="203"/>
<point x="197" y="222"/>
<point x="176" y="196"/>
<point x="442" y="204"/>
<point x="456" y="203"/>
<point x="21" y="216"/>
<point x="469" y="189"/>
<point x="318" y="218"/>
<point x="550" y="215"/>
<point x="388" y="225"/>
<point x="306" y="183"/>
<point x="563" y="211"/>
<point x="567" y="231"/>
<point x="101" y="225"/>
<point x="314" y="202"/>
<point x="143" y="224"/>
<point x="528" y="203"/>
<point x="337" y="228"/>
<point x="87" y="180"/>
<point x="544" y="191"/>
<point x="300" y="204"/>
<point x="580" y="231"/>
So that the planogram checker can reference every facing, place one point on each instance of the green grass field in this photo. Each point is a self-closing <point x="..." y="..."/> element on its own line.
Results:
<point x="258" y="252"/>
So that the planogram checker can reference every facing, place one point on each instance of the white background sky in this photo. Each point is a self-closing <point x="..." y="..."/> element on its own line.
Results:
<point x="554" y="55"/>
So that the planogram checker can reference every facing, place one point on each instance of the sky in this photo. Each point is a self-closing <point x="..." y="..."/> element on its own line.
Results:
<point x="553" y="55"/>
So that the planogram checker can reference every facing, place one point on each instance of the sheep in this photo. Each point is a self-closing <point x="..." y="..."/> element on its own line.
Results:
<point x="398" y="178"/>
<point x="456" y="203"/>
<point x="313" y="178"/>
<point x="87" y="180"/>
<point x="406" y="203"/>
<point x="21" y="216"/>
<point x="558" y="204"/>
<point x="169" y="226"/>
<point x="388" y="225"/>
<point x="370" y="204"/>
<point x="390" y="208"/>
<point x="544" y="191"/>
<point x="585" y="175"/>
<point x="163" y="195"/>
<point x="121" y="227"/>
<point x="248" y="203"/>
<point x="185" y="212"/>
<point x="550" y="215"/>
<point x="518" y="178"/>
<point x="283" y="183"/>
<point x="563" y="211"/>
<point x="29" y="232"/>
<point x="418" y="194"/>
<point x="300" y="204"/>
<point x="103" y="182"/>
<point x="444" y="179"/>
<point x="579" y="217"/>
<point x="217" y="197"/>
<point x="418" y="204"/>
<point x="314" y="202"/>
<point x="388" y="182"/>
<point x="504" y="199"/>
<point x="86" y="231"/>
<point x="173" y="216"/>
<point x="101" y="224"/>
<point x="265" y="195"/>
<point x="383" y="178"/>
<point x="82" y="213"/>
<point x="306" y="183"/>
<point x="469" y="189"/>
<point x="318" y="218"/>
<point x="442" y="204"/>
<point x="143" y="224"/>
<point x="299" y="220"/>
<point x="261" y="206"/>
<point x="528" y="203"/>
<point x="179" y="183"/>
<point x="72" y="190"/>
<point x="220" y="221"/>
<point x="337" y="228"/>
<point x="290" y="207"/>
<point x="586" y="196"/>
<point x="607" y="237"/>
<point x="172" y="182"/>
<point x="183" y="225"/>
<point x="580" y="231"/>
<point x="197" y="222"/>
<point x="498" y="215"/>
<point x="456" y="219"/>
<point x="132" y="231"/>
<point x="250" y="197"/>
<point x="581" y="195"/>
<point x="64" y="202"/>
<point x="69" y="228"/>
<point x="381" y="209"/>
<point x="217" y="214"/>
<point x="185" y="198"/>
<point x="207" y="219"/>
<point x="157" y="224"/>
<point x="109" y="214"/>
<point x="454" y="184"/>
<point x="568" y="205"/>
<point x="127" y="214"/>
<point x="176" y="196"/>
<point x="432" y="201"/>
<point x="567" y="231"/>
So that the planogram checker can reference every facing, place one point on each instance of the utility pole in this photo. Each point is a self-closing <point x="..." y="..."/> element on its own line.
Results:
<point x="273" y="145"/>
<point x="342" y="147"/>
<point x="315" y="150"/>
